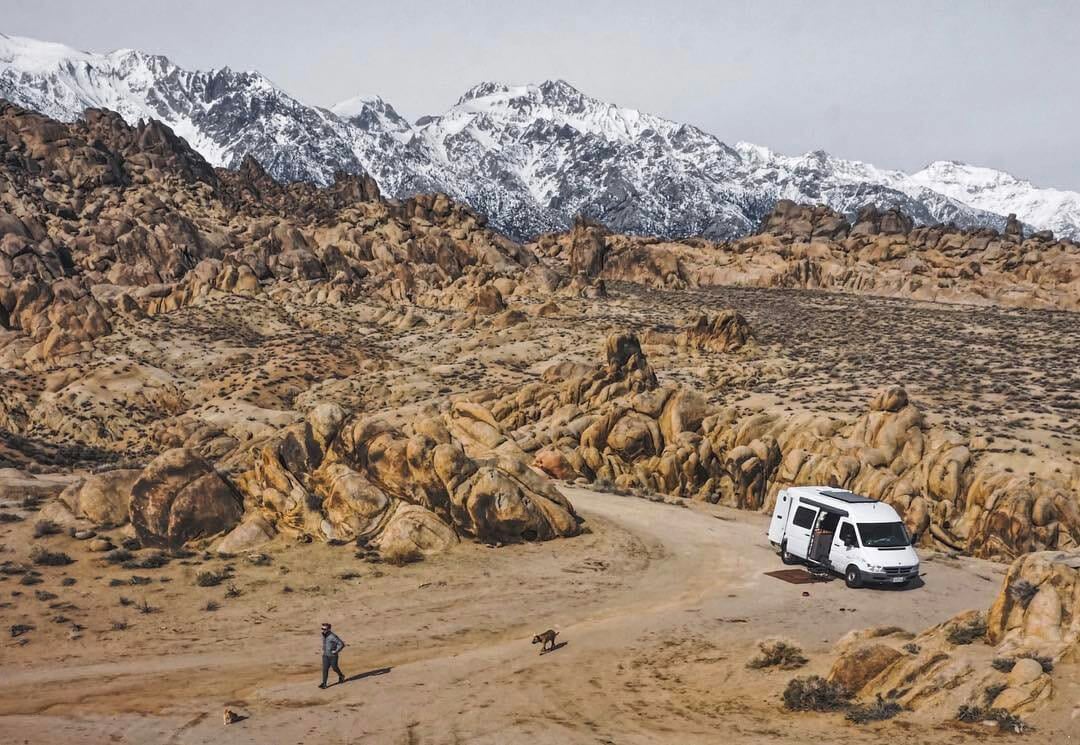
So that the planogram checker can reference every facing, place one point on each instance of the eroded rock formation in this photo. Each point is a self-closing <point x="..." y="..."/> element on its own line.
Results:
<point x="615" y="422"/>
<point x="1031" y="626"/>
<point x="883" y="253"/>
<point x="337" y="478"/>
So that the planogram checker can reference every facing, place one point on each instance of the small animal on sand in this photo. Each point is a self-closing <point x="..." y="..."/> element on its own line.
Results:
<point x="231" y="717"/>
<point x="546" y="640"/>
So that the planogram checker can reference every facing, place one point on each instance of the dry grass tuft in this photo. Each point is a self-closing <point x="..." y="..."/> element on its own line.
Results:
<point x="777" y="653"/>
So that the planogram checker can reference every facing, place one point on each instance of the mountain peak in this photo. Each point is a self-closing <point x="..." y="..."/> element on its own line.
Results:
<point x="530" y="157"/>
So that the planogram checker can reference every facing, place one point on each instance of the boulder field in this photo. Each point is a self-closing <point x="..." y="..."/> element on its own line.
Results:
<point x="207" y="353"/>
<point x="1000" y="659"/>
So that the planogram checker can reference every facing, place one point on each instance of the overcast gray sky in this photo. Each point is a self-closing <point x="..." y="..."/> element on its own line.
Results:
<point x="898" y="84"/>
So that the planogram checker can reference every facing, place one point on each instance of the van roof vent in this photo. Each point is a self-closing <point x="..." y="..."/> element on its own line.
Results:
<point x="846" y="496"/>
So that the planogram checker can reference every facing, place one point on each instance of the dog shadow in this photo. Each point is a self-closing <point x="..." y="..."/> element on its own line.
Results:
<point x="368" y="674"/>
<point x="555" y="648"/>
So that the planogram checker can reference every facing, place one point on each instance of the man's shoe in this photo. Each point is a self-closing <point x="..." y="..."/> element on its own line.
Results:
<point x="322" y="685"/>
<point x="340" y="679"/>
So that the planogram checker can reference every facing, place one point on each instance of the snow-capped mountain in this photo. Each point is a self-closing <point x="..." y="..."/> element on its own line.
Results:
<point x="529" y="157"/>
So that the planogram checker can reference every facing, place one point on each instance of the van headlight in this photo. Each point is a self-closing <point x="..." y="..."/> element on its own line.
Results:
<point x="875" y="568"/>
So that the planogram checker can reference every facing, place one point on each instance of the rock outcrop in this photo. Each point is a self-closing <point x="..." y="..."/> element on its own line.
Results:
<point x="179" y="497"/>
<point x="100" y="220"/>
<point x="616" y="423"/>
<point x="1031" y="626"/>
<point x="882" y="253"/>
<point x="339" y="478"/>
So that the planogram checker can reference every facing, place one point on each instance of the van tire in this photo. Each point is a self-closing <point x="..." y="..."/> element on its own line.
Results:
<point x="853" y="577"/>
<point x="785" y="556"/>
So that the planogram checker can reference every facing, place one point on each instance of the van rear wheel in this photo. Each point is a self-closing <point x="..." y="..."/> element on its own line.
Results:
<point x="853" y="577"/>
<point x="786" y="557"/>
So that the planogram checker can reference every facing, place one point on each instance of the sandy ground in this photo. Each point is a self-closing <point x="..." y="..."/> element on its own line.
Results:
<point x="659" y="607"/>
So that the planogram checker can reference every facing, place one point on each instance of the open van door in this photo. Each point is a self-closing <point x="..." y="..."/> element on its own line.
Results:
<point x="797" y="537"/>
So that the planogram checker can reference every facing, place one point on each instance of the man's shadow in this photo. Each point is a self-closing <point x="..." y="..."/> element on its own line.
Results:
<point x="368" y="674"/>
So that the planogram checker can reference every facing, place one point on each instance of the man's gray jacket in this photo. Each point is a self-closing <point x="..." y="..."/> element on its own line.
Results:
<point x="332" y="644"/>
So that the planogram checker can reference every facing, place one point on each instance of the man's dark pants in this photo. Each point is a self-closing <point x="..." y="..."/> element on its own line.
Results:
<point x="329" y="661"/>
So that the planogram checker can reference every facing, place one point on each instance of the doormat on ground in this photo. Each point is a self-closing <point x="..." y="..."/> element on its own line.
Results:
<point x="797" y="576"/>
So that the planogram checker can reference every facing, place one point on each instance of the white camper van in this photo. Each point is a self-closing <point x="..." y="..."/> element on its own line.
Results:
<point x="859" y="537"/>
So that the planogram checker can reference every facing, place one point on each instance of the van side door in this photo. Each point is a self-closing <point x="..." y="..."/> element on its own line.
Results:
<point x="798" y="532"/>
<point x="845" y="546"/>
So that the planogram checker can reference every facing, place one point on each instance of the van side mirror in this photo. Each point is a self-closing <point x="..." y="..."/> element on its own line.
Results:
<point x="915" y="539"/>
<point x="849" y="542"/>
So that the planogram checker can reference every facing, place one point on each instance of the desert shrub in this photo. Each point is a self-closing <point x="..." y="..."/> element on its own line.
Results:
<point x="9" y="517"/>
<point x="31" y="578"/>
<point x="155" y="560"/>
<point x="777" y="653"/>
<point x="1047" y="663"/>
<point x="118" y="556"/>
<point x="182" y="553"/>
<point x="350" y="575"/>
<point x="814" y="693"/>
<point x="126" y="601"/>
<point x="30" y="502"/>
<point x="119" y="625"/>
<point x="19" y="629"/>
<point x="44" y="557"/>
<point x="131" y="544"/>
<point x="993" y="692"/>
<point x="877" y="711"/>
<point x="968" y="632"/>
<point x="1023" y="592"/>
<point x="68" y="581"/>
<point x="1006" y="721"/>
<point x="399" y="555"/>
<point x="138" y="580"/>
<point x="232" y="591"/>
<point x="43" y="528"/>
<point x="1003" y="664"/>
<point x="257" y="559"/>
<point x="211" y="605"/>
<point x="912" y="648"/>
<point x="604" y="485"/>
<point x="145" y="608"/>
<point x="210" y="578"/>
<point x="45" y="595"/>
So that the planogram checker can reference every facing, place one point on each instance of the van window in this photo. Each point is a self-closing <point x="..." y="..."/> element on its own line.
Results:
<point x="804" y="517"/>
<point x="847" y="535"/>
<point x="884" y="535"/>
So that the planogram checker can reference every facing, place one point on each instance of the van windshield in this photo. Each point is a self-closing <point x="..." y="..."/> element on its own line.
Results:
<point x="883" y="535"/>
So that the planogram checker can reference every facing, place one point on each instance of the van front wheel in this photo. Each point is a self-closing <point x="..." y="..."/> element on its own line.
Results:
<point x="786" y="557"/>
<point x="853" y="577"/>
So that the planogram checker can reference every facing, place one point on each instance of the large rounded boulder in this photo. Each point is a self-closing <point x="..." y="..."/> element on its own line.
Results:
<point x="179" y="497"/>
<point x="102" y="498"/>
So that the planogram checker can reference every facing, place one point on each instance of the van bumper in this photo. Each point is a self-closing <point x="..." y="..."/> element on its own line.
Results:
<point x="887" y="578"/>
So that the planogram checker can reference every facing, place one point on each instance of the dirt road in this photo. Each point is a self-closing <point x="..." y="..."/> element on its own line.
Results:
<point x="659" y="607"/>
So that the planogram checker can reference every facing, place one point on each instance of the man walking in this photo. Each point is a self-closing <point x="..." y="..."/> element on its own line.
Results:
<point x="331" y="646"/>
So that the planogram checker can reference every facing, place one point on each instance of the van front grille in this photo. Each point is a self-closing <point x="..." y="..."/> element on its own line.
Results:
<point x="899" y="570"/>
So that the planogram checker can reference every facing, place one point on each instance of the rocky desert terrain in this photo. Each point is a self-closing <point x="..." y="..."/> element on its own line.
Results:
<point x="233" y="408"/>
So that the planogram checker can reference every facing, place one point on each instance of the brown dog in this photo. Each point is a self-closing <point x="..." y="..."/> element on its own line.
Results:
<point x="231" y="717"/>
<point x="546" y="640"/>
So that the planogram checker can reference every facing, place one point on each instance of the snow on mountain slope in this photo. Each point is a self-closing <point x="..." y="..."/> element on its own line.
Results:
<point x="997" y="191"/>
<point x="564" y="153"/>
<point x="223" y="114"/>
<point x="530" y="157"/>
